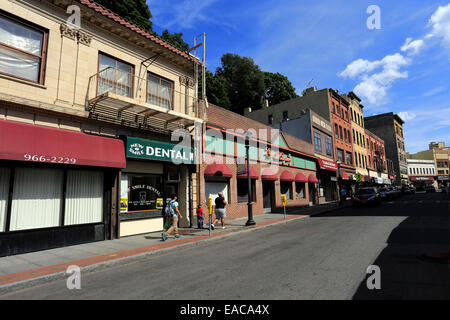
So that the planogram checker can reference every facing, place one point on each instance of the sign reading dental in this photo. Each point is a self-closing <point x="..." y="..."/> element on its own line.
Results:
<point x="160" y="151"/>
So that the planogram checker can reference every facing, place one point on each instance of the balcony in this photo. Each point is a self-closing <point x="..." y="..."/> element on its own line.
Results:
<point x="123" y="98"/>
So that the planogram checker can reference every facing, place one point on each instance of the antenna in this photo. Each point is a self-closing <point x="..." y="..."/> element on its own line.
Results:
<point x="309" y="83"/>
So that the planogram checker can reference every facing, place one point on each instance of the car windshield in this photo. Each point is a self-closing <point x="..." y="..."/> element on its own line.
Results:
<point x="365" y="191"/>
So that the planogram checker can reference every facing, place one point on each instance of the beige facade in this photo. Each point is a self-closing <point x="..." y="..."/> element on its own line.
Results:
<point x="358" y="133"/>
<point x="440" y="155"/>
<point x="69" y="93"/>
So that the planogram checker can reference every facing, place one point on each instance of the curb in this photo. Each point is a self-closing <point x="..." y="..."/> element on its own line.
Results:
<point x="57" y="275"/>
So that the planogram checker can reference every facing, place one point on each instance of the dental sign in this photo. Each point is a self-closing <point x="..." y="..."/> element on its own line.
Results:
<point x="157" y="150"/>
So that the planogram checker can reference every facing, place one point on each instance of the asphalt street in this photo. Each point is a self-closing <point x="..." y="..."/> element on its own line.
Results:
<point x="321" y="257"/>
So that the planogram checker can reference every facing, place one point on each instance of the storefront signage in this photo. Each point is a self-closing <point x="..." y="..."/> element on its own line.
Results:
<point x="421" y="178"/>
<point x="158" y="150"/>
<point x="285" y="159"/>
<point x="443" y="178"/>
<point x="328" y="165"/>
<point x="51" y="159"/>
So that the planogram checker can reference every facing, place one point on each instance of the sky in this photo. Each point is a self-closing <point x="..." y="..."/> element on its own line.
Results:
<point x="402" y="67"/>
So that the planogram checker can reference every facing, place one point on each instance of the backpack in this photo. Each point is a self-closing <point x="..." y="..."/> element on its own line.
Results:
<point x="168" y="210"/>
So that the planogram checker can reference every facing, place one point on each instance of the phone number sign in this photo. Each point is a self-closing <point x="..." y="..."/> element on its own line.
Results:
<point x="50" y="159"/>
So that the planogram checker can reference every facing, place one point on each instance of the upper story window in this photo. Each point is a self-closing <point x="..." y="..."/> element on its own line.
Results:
<point x="349" y="158"/>
<point x="337" y="110"/>
<point x="334" y="107"/>
<point x="328" y="146"/>
<point x="270" y="119"/>
<point x="340" y="155"/>
<point x="22" y="50"/>
<point x="115" y="76"/>
<point x="159" y="91"/>
<point x="336" y="131"/>
<point x="317" y="142"/>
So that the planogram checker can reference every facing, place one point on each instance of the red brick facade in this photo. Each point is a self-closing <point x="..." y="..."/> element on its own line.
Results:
<point x="376" y="156"/>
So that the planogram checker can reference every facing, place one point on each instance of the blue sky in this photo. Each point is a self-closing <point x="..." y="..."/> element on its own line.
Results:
<point x="404" y="67"/>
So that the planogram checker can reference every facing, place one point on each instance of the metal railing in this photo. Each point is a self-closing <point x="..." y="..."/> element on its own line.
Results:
<point x="132" y="86"/>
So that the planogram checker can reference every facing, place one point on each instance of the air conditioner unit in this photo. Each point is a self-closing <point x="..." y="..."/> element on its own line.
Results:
<point x="173" y="177"/>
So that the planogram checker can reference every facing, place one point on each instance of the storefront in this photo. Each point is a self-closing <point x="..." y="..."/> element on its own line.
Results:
<point x="420" y="182"/>
<point x="155" y="170"/>
<point x="327" y="180"/>
<point x="57" y="187"/>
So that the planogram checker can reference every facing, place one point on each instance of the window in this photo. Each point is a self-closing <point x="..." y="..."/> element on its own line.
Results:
<point x="114" y="76"/>
<point x="4" y="193"/>
<point x="340" y="133"/>
<point x="369" y="163"/>
<point x="365" y="163"/>
<point x="22" y="50"/>
<point x="159" y="91"/>
<point x="349" y="158"/>
<point x="328" y="146"/>
<point x="270" y="119"/>
<point x="336" y="131"/>
<point x="337" y="110"/>
<point x="285" y="116"/>
<point x="359" y="156"/>
<point x="300" y="190"/>
<point x="353" y="131"/>
<point x="351" y="113"/>
<point x="345" y="135"/>
<point x="356" y="158"/>
<point x="286" y="188"/>
<point x="340" y="155"/>
<point x="242" y="190"/>
<point x="334" y="108"/>
<point x="317" y="142"/>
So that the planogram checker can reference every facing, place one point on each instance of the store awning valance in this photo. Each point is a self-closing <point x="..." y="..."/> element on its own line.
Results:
<point x="300" y="177"/>
<point x="312" y="179"/>
<point x="345" y="175"/>
<point x="253" y="174"/>
<point x="32" y="143"/>
<point x="269" y="174"/>
<point x="287" y="176"/>
<point x="218" y="169"/>
<point x="327" y="165"/>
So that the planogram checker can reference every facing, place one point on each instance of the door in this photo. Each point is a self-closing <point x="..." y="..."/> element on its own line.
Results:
<point x="312" y="193"/>
<point x="268" y="189"/>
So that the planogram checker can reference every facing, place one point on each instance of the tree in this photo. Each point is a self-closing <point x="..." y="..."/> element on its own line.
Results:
<point x="216" y="90"/>
<point x="135" y="11"/>
<point x="278" y="88"/>
<point x="175" y="39"/>
<point x="243" y="81"/>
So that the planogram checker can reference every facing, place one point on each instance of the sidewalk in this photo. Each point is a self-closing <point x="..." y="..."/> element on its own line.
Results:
<point x="20" y="270"/>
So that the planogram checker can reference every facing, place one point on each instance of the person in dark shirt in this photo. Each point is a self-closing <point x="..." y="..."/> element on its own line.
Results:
<point x="220" y="211"/>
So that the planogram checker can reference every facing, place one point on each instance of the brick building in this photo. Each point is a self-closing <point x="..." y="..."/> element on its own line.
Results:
<point x="280" y="164"/>
<point x="377" y="166"/>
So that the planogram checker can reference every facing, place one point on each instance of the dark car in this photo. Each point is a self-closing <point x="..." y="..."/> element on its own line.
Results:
<point x="386" y="194"/>
<point x="394" y="192"/>
<point x="406" y="190"/>
<point x="366" y="196"/>
<point x="413" y="189"/>
<point x="430" y="189"/>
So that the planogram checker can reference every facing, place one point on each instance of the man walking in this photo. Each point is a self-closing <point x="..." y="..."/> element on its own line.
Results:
<point x="174" y="216"/>
<point x="220" y="212"/>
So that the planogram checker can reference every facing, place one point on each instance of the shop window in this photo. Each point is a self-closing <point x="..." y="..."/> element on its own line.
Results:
<point x="22" y="50"/>
<point x="286" y="188"/>
<point x="142" y="195"/>
<point x="114" y="76"/>
<point x="215" y="185"/>
<point x="37" y="198"/>
<point x="300" y="190"/>
<point x="159" y="91"/>
<point x="242" y="190"/>
<point x="4" y="193"/>
<point x="84" y="197"/>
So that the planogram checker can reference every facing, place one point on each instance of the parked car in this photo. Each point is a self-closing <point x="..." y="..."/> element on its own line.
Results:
<point x="385" y="194"/>
<point x="406" y="190"/>
<point x="430" y="189"/>
<point x="413" y="189"/>
<point x="366" y="196"/>
<point x="394" y="192"/>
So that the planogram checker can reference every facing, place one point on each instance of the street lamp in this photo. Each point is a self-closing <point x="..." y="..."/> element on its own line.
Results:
<point x="250" y="221"/>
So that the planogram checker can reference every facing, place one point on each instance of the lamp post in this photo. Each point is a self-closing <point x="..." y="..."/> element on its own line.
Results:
<point x="250" y="221"/>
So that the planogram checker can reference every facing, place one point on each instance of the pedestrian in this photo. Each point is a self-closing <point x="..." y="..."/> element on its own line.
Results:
<point x="220" y="212"/>
<point x="172" y="213"/>
<point x="343" y="196"/>
<point x="200" y="219"/>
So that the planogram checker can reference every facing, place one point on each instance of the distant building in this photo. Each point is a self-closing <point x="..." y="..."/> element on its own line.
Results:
<point x="389" y="127"/>
<point x="422" y="173"/>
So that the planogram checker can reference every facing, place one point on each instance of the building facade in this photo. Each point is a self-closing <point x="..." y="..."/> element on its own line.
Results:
<point x="318" y="131"/>
<point x="92" y="109"/>
<point x="388" y="127"/>
<point x="377" y="166"/>
<point x="422" y="173"/>
<point x="280" y="164"/>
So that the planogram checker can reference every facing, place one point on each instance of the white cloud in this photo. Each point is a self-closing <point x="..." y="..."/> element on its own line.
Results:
<point x="358" y="67"/>
<point x="412" y="47"/>
<point x="440" y="23"/>
<point x="407" y="116"/>
<point x="434" y="91"/>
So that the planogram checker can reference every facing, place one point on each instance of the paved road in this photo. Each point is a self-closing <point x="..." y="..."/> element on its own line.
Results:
<point x="322" y="257"/>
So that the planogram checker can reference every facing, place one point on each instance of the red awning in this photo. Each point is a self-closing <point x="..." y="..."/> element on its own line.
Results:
<point x="287" y="176"/>
<point x="268" y="174"/>
<point x="345" y="175"/>
<point x="27" y="142"/>
<point x="300" y="177"/>
<point x="312" y="179"/>
<point x="328" y="165"/>
<point x="217" y="169"/>
<point x="253" y="174"/>
<point x="421" y="178"/>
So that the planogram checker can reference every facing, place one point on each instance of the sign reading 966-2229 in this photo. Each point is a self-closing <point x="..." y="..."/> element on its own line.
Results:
<point x="51" y="159"/>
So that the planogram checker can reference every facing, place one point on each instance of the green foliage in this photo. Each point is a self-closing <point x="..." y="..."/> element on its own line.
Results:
<point x="135" y="11"/>
<point x="175" y="39"/>
<point x="278" y="88"/>
<point x="239" y="83"/>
